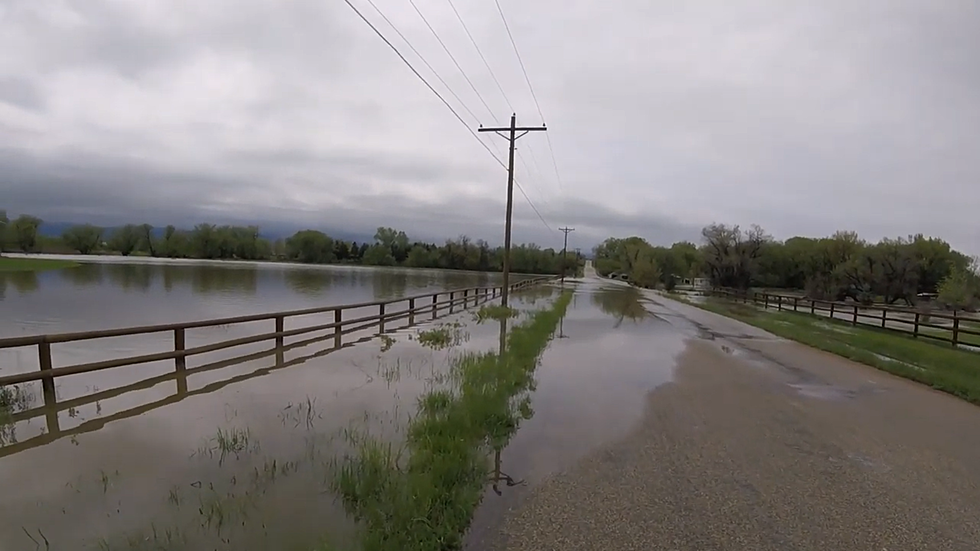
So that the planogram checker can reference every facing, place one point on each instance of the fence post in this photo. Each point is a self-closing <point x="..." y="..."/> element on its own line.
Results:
<point x="338" y="317"/>
<point x="765" y="297"/>
<point x="280" y="327"/>
<point x="435" y="304"/>
<point x="466" y="298"/>
<point x="884" y="317"/>
<point x="813" y="307"/>
<point x="915" y="329"/>
<point x="411" y="311"/>
<point x="832" y="310"/>
<point x="47" y="388"/>
<point x="956" y="329"/>
<point x="47" y="383"/>
<point x="796" y="302"/>
<point x="381" y="320"/>
<point x="855" y="320"/>
<point x="779" y="302"/>
<point x="180" y="362"/>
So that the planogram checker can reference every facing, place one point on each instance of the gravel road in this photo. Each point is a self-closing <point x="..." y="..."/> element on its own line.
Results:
<point x="763" y="444"/>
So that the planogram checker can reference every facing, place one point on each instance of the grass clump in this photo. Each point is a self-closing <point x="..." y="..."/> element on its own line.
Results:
<point x="940" y="366"/>
<point x="12" y="400"/>
<point x="33" y="264"/>
<point x="443" y="336"/>
<point x="496" y="312"/>
<point x="422" y="496"/>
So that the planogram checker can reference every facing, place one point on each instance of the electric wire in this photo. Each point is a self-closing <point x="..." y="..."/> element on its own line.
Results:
<point x="434" y="72"/>
<point x="479" y="51"/>
<point x="446" y="103"/>
<point x="451" y="56"/>
<point x="531" y="88"/>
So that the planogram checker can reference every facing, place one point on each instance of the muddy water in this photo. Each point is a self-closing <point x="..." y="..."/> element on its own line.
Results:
<point x="236" y="457"/>
<point x="612" y="348"/>
<point x="109" y="293"/>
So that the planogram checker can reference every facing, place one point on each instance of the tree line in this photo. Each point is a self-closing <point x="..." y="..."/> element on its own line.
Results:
<point x="390" y="247"/>
<point x="838" y="267"/>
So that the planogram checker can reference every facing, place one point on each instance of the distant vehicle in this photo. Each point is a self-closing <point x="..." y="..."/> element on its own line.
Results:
<point x="613" y="275"/>
<point x="624" y="277"/>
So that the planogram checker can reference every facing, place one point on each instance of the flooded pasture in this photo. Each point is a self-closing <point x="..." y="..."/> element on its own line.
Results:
<point x="243" y="451"/>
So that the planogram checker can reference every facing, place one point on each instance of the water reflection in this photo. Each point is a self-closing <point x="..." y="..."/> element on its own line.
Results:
<point x="531" y="295"/>
<point x="392" y="285"/>
<point x="84" y="275"/>
<point x="135" y="277"/>
<point x="23" y="282"/>
<point x="621" y="302"/>
<point x="209" y="280"/>
<point x="309" y="282"/>
<point x="500" y="476"/>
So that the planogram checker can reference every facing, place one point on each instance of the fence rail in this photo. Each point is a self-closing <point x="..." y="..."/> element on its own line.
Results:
<point x="959" y="331"/>
<point x="428" y="303"/>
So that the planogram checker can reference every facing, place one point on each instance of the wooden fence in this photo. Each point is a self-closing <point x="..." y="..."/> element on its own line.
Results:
<point x="429" y="303"/>
<point x="960" y="330"/>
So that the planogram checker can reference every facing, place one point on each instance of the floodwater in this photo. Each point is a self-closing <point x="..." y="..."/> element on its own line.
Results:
<point x="613" y="347"/>
<point x="108" y="293"/>
<point x="237" y="454"/>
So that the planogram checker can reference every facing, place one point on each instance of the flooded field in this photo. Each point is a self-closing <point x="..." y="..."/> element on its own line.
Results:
<point x="293" y="452"/>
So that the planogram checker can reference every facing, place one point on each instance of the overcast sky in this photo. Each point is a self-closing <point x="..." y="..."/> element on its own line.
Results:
<point x="664" y="116"/>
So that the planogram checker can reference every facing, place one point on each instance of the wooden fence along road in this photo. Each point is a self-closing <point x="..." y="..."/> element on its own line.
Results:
<point x="428" y="303"/>
<point x="959" y="331"/>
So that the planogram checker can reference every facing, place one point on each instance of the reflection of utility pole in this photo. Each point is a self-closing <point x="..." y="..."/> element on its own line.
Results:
<point x="564" y="251"/>
<point x="511" y="137"/>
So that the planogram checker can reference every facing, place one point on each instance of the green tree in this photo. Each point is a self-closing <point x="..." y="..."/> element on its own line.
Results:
<point x="395" y="241"/>
<point x="420" y="257"/>
<point x="84" y="238"/>
<point x="960" y="290"/>
<point x="125" y="239"/>
<point x="24" y="232"/>
<point x="378" y="255"/>
<point x="4" y="221"/>
<point x="148" y="243"/>
<point x="731" y="254"/>
<point x="310" y="246"/>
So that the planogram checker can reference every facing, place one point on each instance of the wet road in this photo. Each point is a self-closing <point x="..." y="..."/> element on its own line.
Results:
<point x="715" y="435"/>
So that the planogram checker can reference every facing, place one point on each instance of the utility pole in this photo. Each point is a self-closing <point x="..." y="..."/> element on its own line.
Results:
<point x="511" y="136"/>
<point x="564" y="251"/>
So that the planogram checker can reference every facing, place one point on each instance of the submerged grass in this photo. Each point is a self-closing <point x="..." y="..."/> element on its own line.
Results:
<point x="940" y="366"/>
<point x="496" y="311"/>
<point x="13" y="399"/>
<point x="443" y="336"/>
<point x="33" y="264"/>
<point x="421" y="496"/>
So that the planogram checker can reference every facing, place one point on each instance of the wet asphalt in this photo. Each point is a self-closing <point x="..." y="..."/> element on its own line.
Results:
<point x="740" y="440"/>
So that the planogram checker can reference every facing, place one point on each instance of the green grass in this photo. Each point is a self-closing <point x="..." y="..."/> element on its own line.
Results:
<point x="938" y="365"/>
<point x="496" y="312"/>
<point x="421" y="496"/>
<point x="33" y="264"/>
<point x="443" y="336"/>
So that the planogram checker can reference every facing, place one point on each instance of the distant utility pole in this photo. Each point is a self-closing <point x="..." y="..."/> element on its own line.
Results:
<point x="564" y="251"/>
<point x="511" y="136"/>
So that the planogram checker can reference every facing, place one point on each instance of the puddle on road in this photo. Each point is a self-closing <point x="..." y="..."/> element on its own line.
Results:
<point x="235" y="457"/>
<point x="592" y="384"/>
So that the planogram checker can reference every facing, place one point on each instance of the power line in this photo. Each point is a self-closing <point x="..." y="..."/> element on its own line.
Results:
<point x="479" y="51"/>
<point x="451" y="56"/>
<point x="520" y="60"/>
<point x="531" y="88"/>
<point x="444" y="102"/>
<point x="434" y="72"/>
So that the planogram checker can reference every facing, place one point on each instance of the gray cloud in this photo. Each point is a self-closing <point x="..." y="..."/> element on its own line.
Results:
<point x="801" y="117"/>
